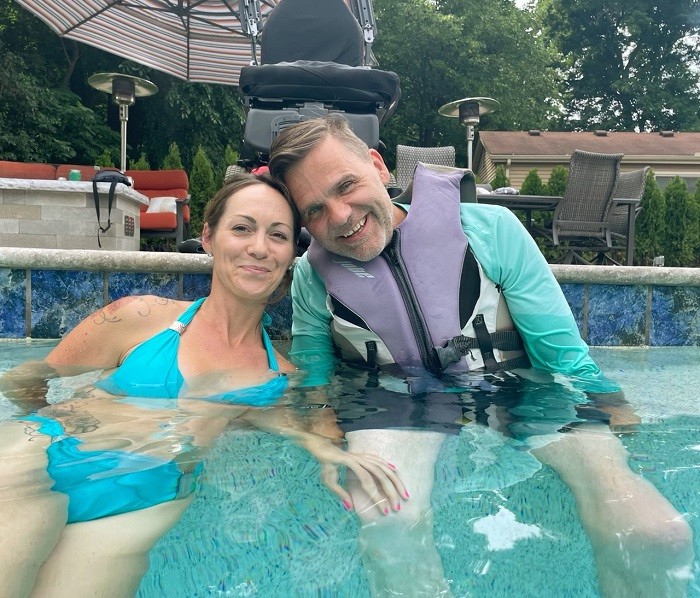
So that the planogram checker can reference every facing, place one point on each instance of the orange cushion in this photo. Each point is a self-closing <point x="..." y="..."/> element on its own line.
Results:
<point x="162" y="220"/>
<point x="27" y="170"/>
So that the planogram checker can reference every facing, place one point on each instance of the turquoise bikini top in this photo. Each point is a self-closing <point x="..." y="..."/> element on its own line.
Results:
<point x="151" y="369"/>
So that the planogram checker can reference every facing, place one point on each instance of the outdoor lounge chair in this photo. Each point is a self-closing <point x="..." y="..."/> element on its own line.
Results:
<point x="580" y="221"/>
<point x="168" y="215"/>
<point x="408" y="156"/>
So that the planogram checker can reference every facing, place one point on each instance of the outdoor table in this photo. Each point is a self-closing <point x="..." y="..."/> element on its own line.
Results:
<point x="530" y="203"/>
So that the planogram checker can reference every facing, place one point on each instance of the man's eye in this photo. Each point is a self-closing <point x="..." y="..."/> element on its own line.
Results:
<point x="313" y="212"/>
<point x="345" y="186"/>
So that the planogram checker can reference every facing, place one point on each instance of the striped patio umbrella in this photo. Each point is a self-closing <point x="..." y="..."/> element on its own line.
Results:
<point x="206" y="41"/>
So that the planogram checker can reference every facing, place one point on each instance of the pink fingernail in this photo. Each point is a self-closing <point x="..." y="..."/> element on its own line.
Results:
<point x="347" y="505"/>
<point x="398" y="507"/>
<point x="386" y="510"/>
<point x="391" y="466"/>
<point x="405" y="494"/>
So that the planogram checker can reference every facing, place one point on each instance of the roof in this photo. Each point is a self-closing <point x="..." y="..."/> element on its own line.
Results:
<point x="557" y="143"/>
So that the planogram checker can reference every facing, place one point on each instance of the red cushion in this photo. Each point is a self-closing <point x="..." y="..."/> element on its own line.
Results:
<point x="27" y="170"/>
<point x="159" y="179"/>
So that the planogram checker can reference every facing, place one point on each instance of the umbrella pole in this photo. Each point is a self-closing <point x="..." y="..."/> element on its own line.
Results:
<point x="123" y="118"/>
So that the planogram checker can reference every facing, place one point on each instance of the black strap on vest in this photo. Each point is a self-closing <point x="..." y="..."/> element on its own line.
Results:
<point x="504" y="340"/>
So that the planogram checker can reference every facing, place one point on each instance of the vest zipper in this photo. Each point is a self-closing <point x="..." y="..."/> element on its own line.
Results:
<point x="392" y="256"/>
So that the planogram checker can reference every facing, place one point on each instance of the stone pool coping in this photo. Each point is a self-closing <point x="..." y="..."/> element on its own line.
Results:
<point x="46" y="292"/>
<point x="147" y="261"/>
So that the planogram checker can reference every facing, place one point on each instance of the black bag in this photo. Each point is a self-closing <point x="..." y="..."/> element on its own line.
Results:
<point x="106" y="176"/>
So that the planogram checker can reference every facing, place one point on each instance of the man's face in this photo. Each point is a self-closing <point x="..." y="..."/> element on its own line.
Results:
<point x="343" y="201"/>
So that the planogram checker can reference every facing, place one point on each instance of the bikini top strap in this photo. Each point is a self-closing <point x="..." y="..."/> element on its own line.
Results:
<point x="185" y="318"/>
<point x="267" y="343"/>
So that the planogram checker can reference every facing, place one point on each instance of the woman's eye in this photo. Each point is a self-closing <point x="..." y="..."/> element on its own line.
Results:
<point x="240" y="228"/>
<point x="280" y="236"/>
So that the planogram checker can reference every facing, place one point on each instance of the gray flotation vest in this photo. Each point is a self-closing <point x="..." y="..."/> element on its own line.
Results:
<point x="407" y="306"/>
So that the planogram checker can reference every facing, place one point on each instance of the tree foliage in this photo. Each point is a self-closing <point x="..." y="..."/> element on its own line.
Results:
<point x="650" y="224"/>
<point x="500" y="180"/>
<point x="678" y="249"/>
<point x="444" y="51"/>
<point x="627" y="65"/>
<point x="202" y="189"/>
<point x="558" y="179"/>
<point x="173" y="161"/>
<point x="532" y="185"/>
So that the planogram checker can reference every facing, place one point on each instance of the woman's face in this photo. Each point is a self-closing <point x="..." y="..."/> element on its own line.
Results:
<point x="253" y="244"/>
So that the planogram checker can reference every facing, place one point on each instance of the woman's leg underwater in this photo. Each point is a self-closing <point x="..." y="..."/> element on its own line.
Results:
<point x="106" y="557"/>
<point x="32" y="516"/>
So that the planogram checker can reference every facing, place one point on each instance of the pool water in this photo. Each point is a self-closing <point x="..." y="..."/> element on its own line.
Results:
<point x="262" y="524"/>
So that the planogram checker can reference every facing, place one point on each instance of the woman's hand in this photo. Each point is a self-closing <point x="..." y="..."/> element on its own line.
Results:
<point x="378" y="478"/>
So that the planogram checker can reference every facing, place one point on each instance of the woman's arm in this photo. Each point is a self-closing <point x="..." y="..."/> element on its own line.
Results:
<point x="378" y="478"/>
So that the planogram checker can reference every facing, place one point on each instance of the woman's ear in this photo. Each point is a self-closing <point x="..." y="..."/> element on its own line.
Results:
<point x="206" y="238"/>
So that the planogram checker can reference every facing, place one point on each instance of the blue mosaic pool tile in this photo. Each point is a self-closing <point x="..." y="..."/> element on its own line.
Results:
<point x="122" y="284"/>
<point x="12" y="291"/>
<point x="675" y="316"/>
<point x="195" y="286"/>
<point x="574" y="294"/>
<point x="616" y="315"/>
<point x="61" y="299"/>
<point x="281" y="314"/>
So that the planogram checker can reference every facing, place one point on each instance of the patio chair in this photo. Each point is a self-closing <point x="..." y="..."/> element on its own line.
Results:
<point x="630" y="185"/>
<point x="167" y="215"/>
<point x="408" y="156"/>
<point x="580" y="219"/>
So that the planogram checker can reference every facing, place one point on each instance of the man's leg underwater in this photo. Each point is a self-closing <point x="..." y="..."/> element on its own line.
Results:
<point x="642" y="545"/>
<point x="398" y="549"/>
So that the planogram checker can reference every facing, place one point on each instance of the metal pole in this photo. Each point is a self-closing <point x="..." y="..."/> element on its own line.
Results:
<point x="470" y="141"/>
<point x="123" y="118"/>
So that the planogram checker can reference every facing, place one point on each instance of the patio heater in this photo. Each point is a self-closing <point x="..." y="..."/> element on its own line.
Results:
<point x="124" y="89"/>
<point x="469" y="110"/>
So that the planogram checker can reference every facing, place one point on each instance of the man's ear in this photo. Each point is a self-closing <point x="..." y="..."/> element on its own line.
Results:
<point x="378" y="163"/>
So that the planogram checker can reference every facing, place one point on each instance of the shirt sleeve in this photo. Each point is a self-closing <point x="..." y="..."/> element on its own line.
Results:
<point x="312" y="344"/>
<point x="510" y="257"/>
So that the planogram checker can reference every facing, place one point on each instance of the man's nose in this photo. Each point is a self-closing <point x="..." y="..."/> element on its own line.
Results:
<point x="339" y="211"/>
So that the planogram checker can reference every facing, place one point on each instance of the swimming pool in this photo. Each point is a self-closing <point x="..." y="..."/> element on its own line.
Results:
<point x="262" y="523"/>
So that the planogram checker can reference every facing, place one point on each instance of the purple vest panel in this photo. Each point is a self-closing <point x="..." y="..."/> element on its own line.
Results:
<point x="433" y="247"/>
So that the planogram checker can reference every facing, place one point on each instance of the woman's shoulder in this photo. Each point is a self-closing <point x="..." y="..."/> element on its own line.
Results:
<point x="141" y="307"/>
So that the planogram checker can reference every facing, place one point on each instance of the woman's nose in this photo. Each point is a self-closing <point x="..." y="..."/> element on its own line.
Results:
<point x="258" y="245"/>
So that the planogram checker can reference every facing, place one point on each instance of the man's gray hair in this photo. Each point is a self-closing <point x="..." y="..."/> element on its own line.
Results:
<point x="294" y="143"/>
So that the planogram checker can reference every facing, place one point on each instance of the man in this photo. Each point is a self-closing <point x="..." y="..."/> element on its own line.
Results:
<point x="442" y="287"/>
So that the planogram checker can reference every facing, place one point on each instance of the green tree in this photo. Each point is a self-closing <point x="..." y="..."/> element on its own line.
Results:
<point x="695" y="224"/>
<point x="141" y="164"/>
<point x="500" y="180"/>
<point x="106" y="158"/>
<point x="628" y="65"/>
<point x="443" y="51"/>
<point x="532" y="185"/>
<point x="172" y="160"/>
<point x="679" y="226"/>
<point x="650" y="226"/>
<point x="202" y="189"/>
<point x="558" y="179"/>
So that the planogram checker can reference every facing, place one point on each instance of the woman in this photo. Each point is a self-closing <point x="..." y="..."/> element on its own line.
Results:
<point x="183" y="371"/>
